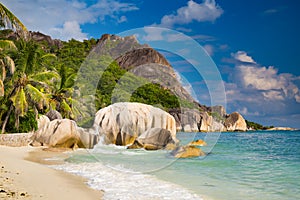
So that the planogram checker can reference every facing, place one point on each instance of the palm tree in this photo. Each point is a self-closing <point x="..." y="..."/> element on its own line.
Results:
<point x="61" y="99"/>
<point x="9" y="21"/>
<point x="29" y="85"/>
<point x="5" y="62"/>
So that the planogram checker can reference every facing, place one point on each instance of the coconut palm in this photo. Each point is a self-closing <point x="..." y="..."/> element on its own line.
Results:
<point x="61" y="99"/>
<point x="6" y="62"/>
<point x="29" y="85"/>
<point x="9" y="21"/>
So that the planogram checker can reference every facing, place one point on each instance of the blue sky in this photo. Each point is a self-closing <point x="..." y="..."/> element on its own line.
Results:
<point x="253" y="43"/>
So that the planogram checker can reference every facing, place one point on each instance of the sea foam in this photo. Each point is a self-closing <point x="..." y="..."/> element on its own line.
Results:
<point x="124" y="184"/>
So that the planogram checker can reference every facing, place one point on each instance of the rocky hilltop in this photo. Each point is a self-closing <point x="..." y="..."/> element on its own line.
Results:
<point x="32" y="35"/>
<point x="146" y="62"/>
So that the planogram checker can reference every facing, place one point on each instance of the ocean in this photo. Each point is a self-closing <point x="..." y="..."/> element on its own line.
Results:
<point x="241" y="165"/>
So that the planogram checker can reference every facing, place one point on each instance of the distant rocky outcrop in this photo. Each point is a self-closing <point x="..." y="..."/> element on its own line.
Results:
<point x="235" y="122"/>
<point x="192" y="120"/>
<point x="122" y="123"/>
<point x="36" y="36"/>
<point x="154" y="139"/>
<point x="62" y="133"/>
<point x="281" y="129"/>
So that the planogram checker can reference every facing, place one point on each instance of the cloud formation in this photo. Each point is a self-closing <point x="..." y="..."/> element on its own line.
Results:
<point x="242" y="56"/>
<point x="260" y="91"/>
<point x="208" y="10"/>
<point x="62" y="18"/>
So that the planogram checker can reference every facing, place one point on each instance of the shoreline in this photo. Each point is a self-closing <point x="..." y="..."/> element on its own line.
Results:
<point x="24" y="175"/>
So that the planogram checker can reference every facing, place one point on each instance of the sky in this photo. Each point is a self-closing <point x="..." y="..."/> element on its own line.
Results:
<point x="253" y="43"/>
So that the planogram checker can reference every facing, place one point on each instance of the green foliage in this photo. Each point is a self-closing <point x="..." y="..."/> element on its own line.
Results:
<point x="257" y="126"/>
<point x="154" y="94"/>
<point x="216" y="116"/>
<point x="27" y="123"/>
<point x="66" y="81"/>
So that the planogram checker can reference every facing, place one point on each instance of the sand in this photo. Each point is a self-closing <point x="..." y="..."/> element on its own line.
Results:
<point x="21" y="178"/>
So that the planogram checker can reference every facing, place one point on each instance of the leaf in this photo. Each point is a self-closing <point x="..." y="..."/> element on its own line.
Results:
<point x="1" y="89"/>
<point x="10" y="21"/>
<point x="36" y="96"/>
<point x="45" y="76"/>
<point x="20" y="102"/>
<point x="10" y="64"/>
<point x="7" y="45"/>
<point x="3" y="71"/>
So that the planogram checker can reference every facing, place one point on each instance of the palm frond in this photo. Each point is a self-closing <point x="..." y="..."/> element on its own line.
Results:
<point x="1" y="89"/>
<point x="3" y="70"/>
<point x="70" y="80"/>
<point x="7" y="45"/>
<point x="20" y="102"/>
<point x="36" y="96"/>
<point x="10" y="21"/>
<point x="45" y="76"/>
<point x="10" y="64"/>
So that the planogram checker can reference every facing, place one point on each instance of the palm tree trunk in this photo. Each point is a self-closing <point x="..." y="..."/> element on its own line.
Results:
<point x="6" y="119"/>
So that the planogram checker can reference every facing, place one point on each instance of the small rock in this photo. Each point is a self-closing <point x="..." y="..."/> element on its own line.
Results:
<point x="187" y="152"/>
<point x="198" y="143"/>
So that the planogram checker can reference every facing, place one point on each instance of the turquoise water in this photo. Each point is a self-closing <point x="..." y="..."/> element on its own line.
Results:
<point x="251" y="165"/>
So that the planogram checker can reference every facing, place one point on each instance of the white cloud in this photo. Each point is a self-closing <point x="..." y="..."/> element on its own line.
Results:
<point x="297" y="97"/>
<point x="122" y="19"/>
<point x="242" y="57"/>
<point x="265" y="83"/>
<point x="70" y="29"/>
<point x="54" y="17"/>
<point x="208" y="10"/>
<point x="267" y="80"/>
<point x="273" y="95"/>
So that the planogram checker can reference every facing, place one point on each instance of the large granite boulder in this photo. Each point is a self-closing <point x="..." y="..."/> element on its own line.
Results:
<point x="235" y="122"/>
<point x="62" y="133"/>
<point x="154" y="139"/>
<point x="122" y="123"/>
<point x="187" y="151"/>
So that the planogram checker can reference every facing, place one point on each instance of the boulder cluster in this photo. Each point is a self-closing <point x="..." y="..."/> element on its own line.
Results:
<point x="134" y="125"/>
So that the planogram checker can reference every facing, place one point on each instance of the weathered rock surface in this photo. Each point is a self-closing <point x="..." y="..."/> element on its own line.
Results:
<point x="36" y="36"/>
<point x="141" y="56"/>
<point x="53" y="114"/>
<point x="198" y="143"/>
<point x="187" y="151"/>
<point x="192" y="120"/>
<point x="122" y="123"/>
<point x="153" y="139"/>
<point x="62" y="133"/>
<point x="235" y="122"/>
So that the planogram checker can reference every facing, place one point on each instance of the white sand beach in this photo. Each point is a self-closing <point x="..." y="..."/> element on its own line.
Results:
<point x="21" y="178"/>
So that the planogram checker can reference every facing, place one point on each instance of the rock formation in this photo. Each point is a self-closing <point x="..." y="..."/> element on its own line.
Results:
<point x="192" y="120"/>
<point x="141" y="56"/>
<point x="187" y="151"/>
<point x="198" y="143"/>
<point x="53" y="114"/>
<point x="235" y="122"/>
<point x="122" y="123"/>
<point x="62" y="133"/>
<point x="153" y="139"/>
